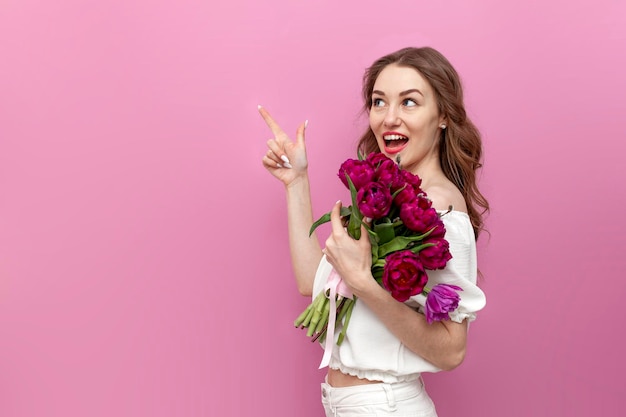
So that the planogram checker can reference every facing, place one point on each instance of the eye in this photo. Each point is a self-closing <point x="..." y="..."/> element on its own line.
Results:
<point x="409" y="102"/>
<point x="378" y="102"/>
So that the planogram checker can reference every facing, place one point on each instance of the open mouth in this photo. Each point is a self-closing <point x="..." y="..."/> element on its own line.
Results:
<point x="395" y="142"/>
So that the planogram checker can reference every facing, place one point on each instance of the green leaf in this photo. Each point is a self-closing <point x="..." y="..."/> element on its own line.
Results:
<point x="420" y="247"/>
<point x="398" y="243"/>
<point x="398" y="191"/>
<point x="345" y="211"/>
<point x="380" y="263"/>
<point x="324" y="219"/>
<point x="374" y="249"/>
<point x="385" y="231"/>
<point x="377" y="272"/>
<point x="354" y="225"/>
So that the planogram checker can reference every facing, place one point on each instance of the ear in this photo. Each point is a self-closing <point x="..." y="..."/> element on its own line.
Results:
<point x="443" y="123"/>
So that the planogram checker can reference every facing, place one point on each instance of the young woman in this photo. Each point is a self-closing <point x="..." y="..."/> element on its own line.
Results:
<point x="416" y="114"/>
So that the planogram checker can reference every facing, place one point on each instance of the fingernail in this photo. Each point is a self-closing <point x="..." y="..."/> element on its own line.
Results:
<point x="367" y="219"/>
<point x="278" y="165"/>
<point x="338" y="202"/>
<point x="306" y="123"/>
<point x="258" y="107"/>
<point x="285" y="159"/>
<point x="288" y="165"/>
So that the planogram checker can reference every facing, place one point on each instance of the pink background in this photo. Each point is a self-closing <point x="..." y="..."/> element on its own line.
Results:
<point x="143" y="258"/>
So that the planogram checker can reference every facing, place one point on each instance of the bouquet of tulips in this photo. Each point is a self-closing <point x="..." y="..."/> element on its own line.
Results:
<point x="406" y="235"/>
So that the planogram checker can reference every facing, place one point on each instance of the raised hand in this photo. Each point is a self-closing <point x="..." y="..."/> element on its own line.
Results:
<point x="285" y="159"/>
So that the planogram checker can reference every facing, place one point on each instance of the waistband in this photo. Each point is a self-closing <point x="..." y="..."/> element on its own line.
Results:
<point x="372" y="393"/>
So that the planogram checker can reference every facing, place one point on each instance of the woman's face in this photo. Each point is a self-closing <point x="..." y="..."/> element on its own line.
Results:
<point x="404" y="117"/>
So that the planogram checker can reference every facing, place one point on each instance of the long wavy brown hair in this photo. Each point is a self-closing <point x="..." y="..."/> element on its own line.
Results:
<point x="460" y="145"/>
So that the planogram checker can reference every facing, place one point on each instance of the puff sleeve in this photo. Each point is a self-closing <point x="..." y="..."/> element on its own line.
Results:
<point x="461" y="270"/>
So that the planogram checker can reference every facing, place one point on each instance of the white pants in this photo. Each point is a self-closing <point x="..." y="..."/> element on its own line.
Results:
<point x="406" y="399"/>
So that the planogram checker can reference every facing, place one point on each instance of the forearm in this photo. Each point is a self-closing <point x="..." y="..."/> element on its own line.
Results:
<point x="442" y="342"/>
<point x="305" y="251"/>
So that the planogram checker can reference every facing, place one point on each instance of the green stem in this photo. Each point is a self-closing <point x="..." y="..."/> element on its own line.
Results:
<point x="317" y="316"/>
<point x="324" y="319"/>
<point x="346" y="322"/>
<point x="341" y="312"/>
<point x="302" y="317"/>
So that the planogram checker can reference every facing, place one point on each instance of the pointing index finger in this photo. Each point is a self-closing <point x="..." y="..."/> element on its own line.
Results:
<point x="276" y="130"/>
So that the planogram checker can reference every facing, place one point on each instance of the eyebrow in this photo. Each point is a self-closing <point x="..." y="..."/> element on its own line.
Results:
<point x="402" y="93"/>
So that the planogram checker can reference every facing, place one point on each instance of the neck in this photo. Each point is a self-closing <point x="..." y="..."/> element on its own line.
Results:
<point x="429" y="170"/>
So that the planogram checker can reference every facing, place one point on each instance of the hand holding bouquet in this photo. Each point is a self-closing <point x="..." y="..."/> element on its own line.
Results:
<point x="407" y="238"/>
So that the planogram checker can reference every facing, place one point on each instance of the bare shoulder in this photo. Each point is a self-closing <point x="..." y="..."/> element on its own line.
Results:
<point x="444" y="194"/>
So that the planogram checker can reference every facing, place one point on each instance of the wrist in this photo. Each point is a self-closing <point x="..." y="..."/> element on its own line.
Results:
<point x="367" y="286"/>
<point x="298" y="181"/>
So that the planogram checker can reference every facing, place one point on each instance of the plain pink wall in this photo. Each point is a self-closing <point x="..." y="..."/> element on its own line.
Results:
<point x="143" y="259"/>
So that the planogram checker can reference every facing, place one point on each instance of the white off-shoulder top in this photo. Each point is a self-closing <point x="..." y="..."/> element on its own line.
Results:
<point x="370" y="350"/>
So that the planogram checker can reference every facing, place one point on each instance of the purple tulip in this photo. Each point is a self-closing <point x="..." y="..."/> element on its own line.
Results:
<point x="388" y="173"/>
<point x="437" y="256"/>
<point x="374" y="200"/>
<point x="405" y="195"/>
<point x="360" y="172"/>
<point x="376" y="158"/>
<point x="404" y="275"/>
<point x="440" y="301"/>
<point x="412" y="179"/>
<point x="419" y="216"/>
<point x="408" y="187"/>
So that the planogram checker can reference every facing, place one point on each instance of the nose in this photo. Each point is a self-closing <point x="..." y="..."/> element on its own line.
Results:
<point x="392" y="117"/>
